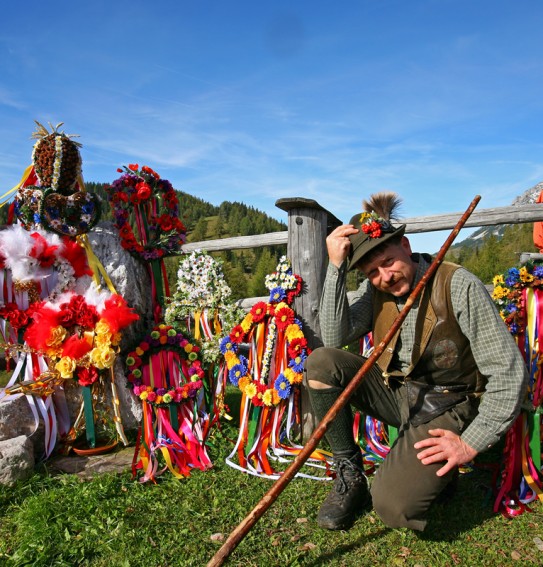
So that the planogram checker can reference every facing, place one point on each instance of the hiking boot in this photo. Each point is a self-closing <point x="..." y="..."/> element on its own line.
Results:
<point x="348" y="497"/>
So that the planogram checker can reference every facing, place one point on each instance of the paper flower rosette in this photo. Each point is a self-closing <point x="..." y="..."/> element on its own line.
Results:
<point x="165" y="373"/>
<point x="518" y="295"/>
<point x="201" y="306"/>
<point x="269" y="375"/>
<point x="78" y="337"/>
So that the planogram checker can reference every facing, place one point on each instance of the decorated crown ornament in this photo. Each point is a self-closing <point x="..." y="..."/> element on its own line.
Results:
<point x="374" y="225"/>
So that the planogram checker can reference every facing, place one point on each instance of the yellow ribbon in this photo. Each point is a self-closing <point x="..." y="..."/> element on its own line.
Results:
<point x="26" y="173"/>
<point x="95" y="264"/>
<point x="169" y="464"/>
<point x="197" y="316"/>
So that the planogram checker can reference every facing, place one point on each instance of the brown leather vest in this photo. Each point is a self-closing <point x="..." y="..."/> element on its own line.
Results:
<point x="442" y="354"/>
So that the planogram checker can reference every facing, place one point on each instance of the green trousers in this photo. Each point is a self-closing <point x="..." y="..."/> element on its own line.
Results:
<point x="403" y="489"/>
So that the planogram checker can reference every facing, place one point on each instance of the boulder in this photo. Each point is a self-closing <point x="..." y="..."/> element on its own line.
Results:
<point x="16" y="459"/>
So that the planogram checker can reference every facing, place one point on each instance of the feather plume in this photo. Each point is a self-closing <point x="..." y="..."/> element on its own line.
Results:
<point x="384" y="204"/>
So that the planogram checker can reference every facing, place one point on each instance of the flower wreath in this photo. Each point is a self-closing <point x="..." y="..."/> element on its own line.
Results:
<point x="508" y="296"/>
<point x="165" y="337"/>
<point x="155" y="208"/>
<point x="283" y="286"/>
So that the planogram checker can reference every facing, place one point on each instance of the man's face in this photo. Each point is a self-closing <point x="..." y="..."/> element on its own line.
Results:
<point x="391" y="270"/>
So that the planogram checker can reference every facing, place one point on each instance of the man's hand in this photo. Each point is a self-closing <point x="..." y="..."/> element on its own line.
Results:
<point x="444" y="446"/>
<point x="338" y="243"/>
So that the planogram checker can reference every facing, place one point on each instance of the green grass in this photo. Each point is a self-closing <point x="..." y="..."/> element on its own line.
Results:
<point x="111" y="520"/>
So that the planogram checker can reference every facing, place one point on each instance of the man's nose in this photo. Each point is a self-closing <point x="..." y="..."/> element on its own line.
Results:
<point x="386" y="274"/>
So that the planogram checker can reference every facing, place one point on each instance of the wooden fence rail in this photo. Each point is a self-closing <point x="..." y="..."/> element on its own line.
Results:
<point x="484" y="217"/>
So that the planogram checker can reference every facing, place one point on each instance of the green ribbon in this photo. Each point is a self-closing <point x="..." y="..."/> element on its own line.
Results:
<point x="89" y="416"/>
<point x="534" y="427"/>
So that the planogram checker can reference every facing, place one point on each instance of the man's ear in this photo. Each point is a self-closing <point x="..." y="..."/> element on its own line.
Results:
<point x="406" y="245"/>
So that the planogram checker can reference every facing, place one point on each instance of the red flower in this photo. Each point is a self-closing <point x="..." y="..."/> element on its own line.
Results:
<point x="284" y="317"/>
<point x="16" y="318"/>
<point x="67" y="317"/>
<point x="87" y="317"/>
<point x="149" y="171"/>
<point x="166" y="223"/>
<point x="237" y="334"/>
<point x="87" y="376"/>
<point x="144" y="191"/>
<point x="133" y="166"/>
<point x="296" y="346"/>
<point x="372" y="229"/>
<point x="41" y="250"/>
<point x="258" y="311"/>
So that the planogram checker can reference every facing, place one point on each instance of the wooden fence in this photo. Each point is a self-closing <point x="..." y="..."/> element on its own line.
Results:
<point x="309" y="224"/>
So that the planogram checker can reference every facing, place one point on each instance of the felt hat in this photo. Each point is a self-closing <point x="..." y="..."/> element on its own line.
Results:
<point x="374" y="227"/>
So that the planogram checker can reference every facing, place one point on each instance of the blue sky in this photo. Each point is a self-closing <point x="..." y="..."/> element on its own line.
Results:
<point x="438" y="100"/>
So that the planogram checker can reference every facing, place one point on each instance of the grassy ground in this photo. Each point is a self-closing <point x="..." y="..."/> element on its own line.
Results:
<point x="110" y="521"/>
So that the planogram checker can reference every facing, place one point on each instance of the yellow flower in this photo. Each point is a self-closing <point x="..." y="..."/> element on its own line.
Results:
<point x="250" y="390"/>
<point x="102" y="340"/>
<point x="231" y="359"/>
<point x="247" y="322"/>
<point x="188" y="348"/>
<point x="102" y="357"/>
<point x="66" y="367"/>
<point x="143" y="395"/>
<point x="267" y="397"/>
<point x="102" y="328"/>
<point x="499" y="292"/>
<point x="281" y="305"/>
<point x="293" y="377"/>
<point x="525" y="275"/>
<point x="498" y="280"/>
<point x="293" y="331"/>
<point x="244" y="382"/>
<point x="139" y="351"/>
<point x="56" y="337"/>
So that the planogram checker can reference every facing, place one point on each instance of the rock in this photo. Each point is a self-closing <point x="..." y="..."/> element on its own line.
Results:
<point x="16" y="459"/>
<point x="15" y="417"/>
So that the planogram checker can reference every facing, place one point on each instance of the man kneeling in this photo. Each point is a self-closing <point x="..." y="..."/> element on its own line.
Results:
<point x="451" y="381"/>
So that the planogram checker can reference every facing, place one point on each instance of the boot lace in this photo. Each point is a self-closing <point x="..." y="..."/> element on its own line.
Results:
<point x="346" y="470"/>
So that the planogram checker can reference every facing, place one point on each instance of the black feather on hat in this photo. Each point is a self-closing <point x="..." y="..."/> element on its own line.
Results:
<point x="374" y="225"/>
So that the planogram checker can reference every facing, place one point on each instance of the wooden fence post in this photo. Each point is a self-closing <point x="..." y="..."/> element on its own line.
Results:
<point x="308" y="226"/>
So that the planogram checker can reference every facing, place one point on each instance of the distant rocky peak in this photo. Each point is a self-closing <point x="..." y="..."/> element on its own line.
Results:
<point x="529" y="196"/>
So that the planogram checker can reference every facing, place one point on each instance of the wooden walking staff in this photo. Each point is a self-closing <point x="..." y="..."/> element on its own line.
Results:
<point x="269" y="498"/>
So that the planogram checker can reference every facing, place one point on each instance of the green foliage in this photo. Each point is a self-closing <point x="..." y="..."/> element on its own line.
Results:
<point x="493" y="256"/>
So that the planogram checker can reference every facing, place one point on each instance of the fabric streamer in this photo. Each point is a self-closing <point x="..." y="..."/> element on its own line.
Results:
<point x="518" y="294"/>
<point x="265" y="355"/>
<point x="165" y="372"/>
